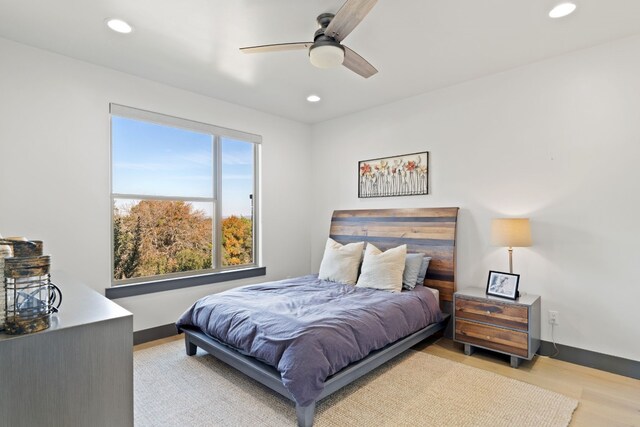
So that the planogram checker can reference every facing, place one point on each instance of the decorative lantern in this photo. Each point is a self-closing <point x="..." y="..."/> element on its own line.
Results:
<point x="29" y="294"/>
<point x="5" y="251"/>
<point x="22" y="247"/>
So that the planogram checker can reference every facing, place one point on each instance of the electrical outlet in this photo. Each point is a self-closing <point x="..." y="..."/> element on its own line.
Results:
<point x="553" y="317"/>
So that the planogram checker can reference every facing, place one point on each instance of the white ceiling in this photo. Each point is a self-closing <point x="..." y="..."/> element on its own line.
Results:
<point x="417" y="45"/>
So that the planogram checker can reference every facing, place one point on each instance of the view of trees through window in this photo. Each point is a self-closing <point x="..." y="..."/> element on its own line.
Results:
<point x="164" y="204"/>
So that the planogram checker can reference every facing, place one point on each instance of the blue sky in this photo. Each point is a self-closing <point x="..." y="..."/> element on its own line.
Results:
<point x="151" y="159"/>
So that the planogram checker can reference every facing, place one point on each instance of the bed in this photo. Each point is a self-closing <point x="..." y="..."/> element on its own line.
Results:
<point x="375" y="340"/>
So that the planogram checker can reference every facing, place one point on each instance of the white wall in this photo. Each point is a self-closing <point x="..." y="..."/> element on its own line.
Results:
<point x="54" y="169"/>
<point x="557" y="141"/>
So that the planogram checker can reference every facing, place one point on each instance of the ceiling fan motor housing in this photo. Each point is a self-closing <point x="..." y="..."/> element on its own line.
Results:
<point x="325" y="52"/>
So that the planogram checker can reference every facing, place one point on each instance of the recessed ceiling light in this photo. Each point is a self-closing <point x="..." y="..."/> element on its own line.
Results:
<point x="313" y="98"/>
<point x="119" y="26"/>
<point x="562" y="10"/>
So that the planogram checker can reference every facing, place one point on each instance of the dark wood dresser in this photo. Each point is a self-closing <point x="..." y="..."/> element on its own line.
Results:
<point x="507" y="326"/>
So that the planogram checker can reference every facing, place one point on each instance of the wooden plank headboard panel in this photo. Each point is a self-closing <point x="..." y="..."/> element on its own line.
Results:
<point x="431" y="231"/>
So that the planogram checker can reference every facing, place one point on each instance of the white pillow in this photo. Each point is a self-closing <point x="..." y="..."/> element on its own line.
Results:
<point x="340" y="262"/>
<point x="383" y="270"/>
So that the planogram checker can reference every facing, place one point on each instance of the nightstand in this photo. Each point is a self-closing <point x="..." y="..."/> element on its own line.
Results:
<point x="507" y="326"/>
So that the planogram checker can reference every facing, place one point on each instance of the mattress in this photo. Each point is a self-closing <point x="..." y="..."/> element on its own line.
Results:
<point x="435" y="292"/>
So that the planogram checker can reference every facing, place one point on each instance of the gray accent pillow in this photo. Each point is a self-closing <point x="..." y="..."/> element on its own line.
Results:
<point x="412" y="264"/>
<point x="423" y="270"/>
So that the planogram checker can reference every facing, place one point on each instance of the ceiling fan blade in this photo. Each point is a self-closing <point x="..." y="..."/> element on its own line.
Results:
<point x="357" y="63"/>
<point x="276" y="47"/>
<point x="348" y="17"/>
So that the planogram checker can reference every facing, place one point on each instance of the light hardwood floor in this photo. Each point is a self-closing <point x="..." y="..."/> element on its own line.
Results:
<point x="606" y="400"/>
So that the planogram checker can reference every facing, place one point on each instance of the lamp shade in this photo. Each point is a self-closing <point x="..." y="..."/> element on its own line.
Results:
<point x="511" y="232"/>
<point x="326" y="55"/>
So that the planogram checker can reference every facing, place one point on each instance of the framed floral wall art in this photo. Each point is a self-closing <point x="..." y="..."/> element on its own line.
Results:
<point x="405" y="175"/>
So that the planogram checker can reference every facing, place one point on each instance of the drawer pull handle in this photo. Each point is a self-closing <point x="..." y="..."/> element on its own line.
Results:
<point x="488" y="337"/>
<point x="488" y="312"/>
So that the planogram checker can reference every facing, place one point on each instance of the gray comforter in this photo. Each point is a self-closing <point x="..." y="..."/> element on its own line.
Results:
<point x="309" y="329"/>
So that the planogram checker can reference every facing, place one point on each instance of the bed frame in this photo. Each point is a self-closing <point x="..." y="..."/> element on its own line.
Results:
<point x="424" y="230"/>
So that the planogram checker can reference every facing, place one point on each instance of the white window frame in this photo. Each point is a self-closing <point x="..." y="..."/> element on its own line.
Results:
<point x="217" y="133"/>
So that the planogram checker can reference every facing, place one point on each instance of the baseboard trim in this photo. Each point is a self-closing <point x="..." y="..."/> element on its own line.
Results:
<point x="152" y="334"/>
<point x="604" y="362"/>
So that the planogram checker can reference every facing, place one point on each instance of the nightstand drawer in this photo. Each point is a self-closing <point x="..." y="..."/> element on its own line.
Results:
<point x="495" y="313"/>
<point x="508" y="341"/>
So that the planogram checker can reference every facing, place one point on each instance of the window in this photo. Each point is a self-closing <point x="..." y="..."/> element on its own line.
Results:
<point x="183" y="197"/>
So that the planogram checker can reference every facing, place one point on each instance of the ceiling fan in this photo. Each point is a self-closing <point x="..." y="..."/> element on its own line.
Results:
<point x="326" y="51"/>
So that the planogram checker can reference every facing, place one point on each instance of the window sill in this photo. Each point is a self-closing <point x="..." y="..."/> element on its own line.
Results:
<point x="123" y="291"/>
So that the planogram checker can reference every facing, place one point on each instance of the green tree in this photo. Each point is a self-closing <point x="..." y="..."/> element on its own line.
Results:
<point x="237" y="240"/>
<point x="155" y="237"/>
<point x="126" y="248"/>
<point x="133" y="260"/>
<point x="118" y="246"/>
<point x="158" y="237"/>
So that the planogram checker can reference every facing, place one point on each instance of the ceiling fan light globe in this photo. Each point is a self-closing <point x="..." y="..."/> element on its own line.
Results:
<point x="326" y="56"/>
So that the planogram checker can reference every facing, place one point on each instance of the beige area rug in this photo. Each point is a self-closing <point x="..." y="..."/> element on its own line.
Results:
<point x="414" y="389"/>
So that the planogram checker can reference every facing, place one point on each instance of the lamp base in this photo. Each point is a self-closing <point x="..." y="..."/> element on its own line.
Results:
<point x="511" y="260"/>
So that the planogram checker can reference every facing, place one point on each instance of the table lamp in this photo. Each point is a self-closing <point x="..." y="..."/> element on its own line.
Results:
<point x="512" y="233"/>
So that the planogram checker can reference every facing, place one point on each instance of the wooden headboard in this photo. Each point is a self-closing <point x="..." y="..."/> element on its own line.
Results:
<point x="431" y="231"/>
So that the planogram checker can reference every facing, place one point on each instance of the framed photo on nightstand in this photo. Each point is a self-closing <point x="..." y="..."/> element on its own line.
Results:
<point x="504" y="285"/>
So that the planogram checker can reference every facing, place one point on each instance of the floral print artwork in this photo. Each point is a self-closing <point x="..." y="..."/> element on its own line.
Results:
<point x="404" y="175"/>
